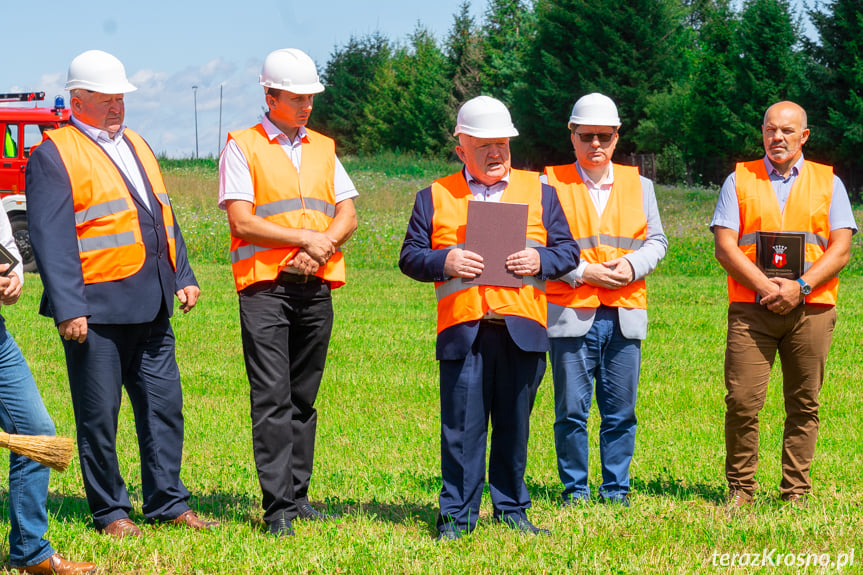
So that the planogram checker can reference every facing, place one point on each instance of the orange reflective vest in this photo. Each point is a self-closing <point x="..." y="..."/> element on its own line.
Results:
<point x="106" y="220"/>
<point x="459" y="302"/>
<point x="620" y="230"/>
<point x="304" y="200"/>
<point x="807" y="210"/>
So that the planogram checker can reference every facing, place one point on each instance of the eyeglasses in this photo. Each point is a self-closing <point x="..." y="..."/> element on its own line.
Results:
<point x="587" y="138"/>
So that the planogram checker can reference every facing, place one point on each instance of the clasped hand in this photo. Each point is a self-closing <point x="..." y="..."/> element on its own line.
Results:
<point x="10" y="286"/>
<point x="613" y="274"/>
<point x="784" y="297"/>
<point x="316" y="250"/>
<point x="466" y="264"/>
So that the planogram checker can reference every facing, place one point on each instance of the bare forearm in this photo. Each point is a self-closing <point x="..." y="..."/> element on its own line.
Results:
<point x="344" y="222"/>
<point x="835" y="258"/>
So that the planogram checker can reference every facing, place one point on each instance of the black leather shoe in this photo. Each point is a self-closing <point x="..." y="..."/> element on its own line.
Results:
<point x="522" y="525"/>
<point x="449" y="532"/>
<point x="281" y="527"/>
<point x="311" y="514"/>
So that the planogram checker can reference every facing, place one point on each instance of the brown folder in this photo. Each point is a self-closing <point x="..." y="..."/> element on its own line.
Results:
<point x="495" y="230"/>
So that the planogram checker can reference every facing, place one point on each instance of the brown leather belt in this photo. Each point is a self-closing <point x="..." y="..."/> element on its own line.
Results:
<point x="289" y="278"/>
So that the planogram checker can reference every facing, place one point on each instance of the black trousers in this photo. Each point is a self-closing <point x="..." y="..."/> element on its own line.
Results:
<point x="139" y="357"/>
<point x="286" y="331"/>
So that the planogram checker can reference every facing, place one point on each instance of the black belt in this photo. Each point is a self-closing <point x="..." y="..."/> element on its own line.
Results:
<point x="289" y="278"/>
<point x="493" y="321"/>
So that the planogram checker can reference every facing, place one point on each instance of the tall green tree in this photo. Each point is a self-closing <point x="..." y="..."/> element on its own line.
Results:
<point x="507" y="32"/>
<point x="711" y="129"/>
<point x="836" y="116"/>
<point x="465" y="56"/>
<point x="769" y="67"/>
<point x="408" y="108"/>
<point x="627" y="51"/>
<point x="349" y="76"/>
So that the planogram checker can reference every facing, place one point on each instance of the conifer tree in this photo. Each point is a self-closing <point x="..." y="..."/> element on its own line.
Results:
<point x="627" y="51"/>
<point x="349" y="76"/>
<point x="836" y="114"/>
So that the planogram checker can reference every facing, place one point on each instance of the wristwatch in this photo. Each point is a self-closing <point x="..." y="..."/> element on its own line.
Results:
<point x="805" y="288"/>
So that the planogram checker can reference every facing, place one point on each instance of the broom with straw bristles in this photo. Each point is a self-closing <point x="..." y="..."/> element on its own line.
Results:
<point x="50" y="450"/>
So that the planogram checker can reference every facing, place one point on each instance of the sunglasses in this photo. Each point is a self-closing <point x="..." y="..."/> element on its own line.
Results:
<point x="587" y="137"/>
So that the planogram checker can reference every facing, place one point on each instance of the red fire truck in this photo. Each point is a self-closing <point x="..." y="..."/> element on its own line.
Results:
<point x="21" y="127"/>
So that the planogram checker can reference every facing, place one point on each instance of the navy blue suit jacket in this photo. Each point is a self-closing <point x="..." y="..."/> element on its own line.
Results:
<point x="419" y="261"/>
<point x="51" y="220"/>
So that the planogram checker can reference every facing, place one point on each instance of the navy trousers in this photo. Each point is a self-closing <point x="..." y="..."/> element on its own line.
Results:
<point x="496" y="381"/>
<point x="139" y="357"/>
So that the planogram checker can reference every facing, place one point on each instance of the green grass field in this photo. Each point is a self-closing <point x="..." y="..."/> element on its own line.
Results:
<point x="377" y="458"/>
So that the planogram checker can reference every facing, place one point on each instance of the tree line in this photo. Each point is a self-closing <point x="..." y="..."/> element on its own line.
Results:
<point x="691" y="79"/>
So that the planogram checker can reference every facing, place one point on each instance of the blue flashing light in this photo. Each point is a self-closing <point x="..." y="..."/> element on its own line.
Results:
<point x="59" y="103"/>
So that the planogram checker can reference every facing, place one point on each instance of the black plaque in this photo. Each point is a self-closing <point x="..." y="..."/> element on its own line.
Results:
<point x="780" y="254"/>
<point x="6" y="257"/>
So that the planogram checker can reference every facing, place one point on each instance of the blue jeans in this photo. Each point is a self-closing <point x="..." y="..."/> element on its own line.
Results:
<point x="22" y="412"/>
<point x="614" y="362"/>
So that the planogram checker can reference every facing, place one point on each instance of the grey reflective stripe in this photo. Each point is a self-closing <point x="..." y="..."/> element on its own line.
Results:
<point x="456" y="285"/>
<point x="587" y="243"/>
<point x="810" y="238"/>
<point x="278" y="207"/>
<point x="164" y="199"/>
<point x="294" y="204"/>
<point x="536" y="283"/>
<point x="101" y="210"/>
<point x="106" y="242"/>
<point x="246" y="251"/>
<point x="746" y="239"/>
<point x="170" y="231"/>
<point x="620" y="242"/>
<point x="450" y="287"/>
<point x="321" y="206"/>
<point x="529" y="243"/>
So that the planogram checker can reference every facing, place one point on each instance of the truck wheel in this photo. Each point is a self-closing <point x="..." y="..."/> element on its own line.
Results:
<point x="22" y="240"/>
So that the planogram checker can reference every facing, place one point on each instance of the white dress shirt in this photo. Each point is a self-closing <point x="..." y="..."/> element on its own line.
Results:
<point x="120" y="152"/>
<point x="235" y="179"/>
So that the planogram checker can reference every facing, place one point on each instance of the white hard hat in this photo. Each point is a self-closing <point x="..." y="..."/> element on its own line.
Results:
<point x="484" y="117"/>
<point x="292" y="70"/>
<point x="98" y="71"/>
<point x="594" y="110"/>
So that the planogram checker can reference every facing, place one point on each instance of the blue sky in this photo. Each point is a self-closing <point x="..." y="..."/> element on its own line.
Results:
<point x="168" y="47"/>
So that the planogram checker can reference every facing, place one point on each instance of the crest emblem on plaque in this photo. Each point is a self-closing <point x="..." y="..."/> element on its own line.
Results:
<point x="779" y="255"/>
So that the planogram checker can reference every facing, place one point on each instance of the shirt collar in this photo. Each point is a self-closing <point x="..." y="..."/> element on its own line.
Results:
<point x="274" y="132"/>
<point x="773" y="172"/>
<point x="502" y="183"/>
<point x="607" y="182"/>
<point x="99" y="134"/>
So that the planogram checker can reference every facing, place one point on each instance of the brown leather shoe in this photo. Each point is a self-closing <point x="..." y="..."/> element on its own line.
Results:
<point x="56" y="564"/>
<point x="120" y="528"/>
<point x="736" y="499"/>
<point x="796" y="500"/>
<point x="191" y="520"/>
